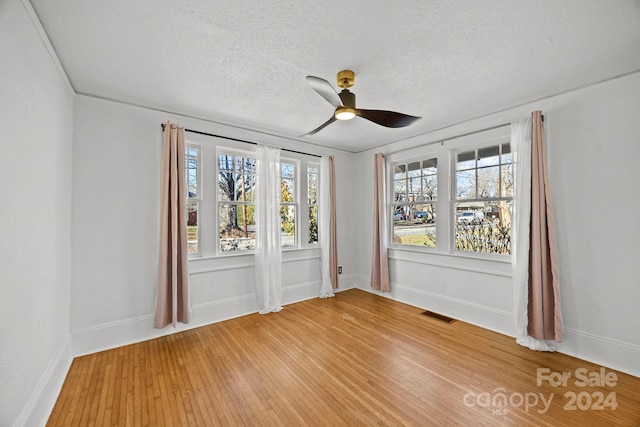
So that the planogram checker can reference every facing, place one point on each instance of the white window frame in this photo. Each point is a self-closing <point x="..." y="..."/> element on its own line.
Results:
<point x="232" y="151"/>
<point x="296" y="200"/>
<point x="445" y="152"/>
<point x="199" y="193"/>
<point x="310" y="205"/>
<point x="394" y="205"/>
<point x="454" y="200"/>
<point x="209" y="148"/>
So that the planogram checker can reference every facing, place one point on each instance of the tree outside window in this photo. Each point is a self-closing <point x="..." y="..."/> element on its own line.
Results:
<point x="192" y="172"/>
<point x="236" y="197"/>
<point x="483" y="200"/>
<point x="288" y="203"/>
<point x="415" y="193"/>
<point x="312" y="201"/>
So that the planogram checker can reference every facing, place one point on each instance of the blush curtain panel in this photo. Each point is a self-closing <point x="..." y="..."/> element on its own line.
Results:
<point x="379" y="261"/>
<point x="328" y="227"/>
<point x="268" y="256"/>
<point x="534" y="255"/>
<point x="172" y="295"/>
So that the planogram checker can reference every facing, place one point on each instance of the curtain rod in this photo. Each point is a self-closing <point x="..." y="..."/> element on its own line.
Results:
<point x="242" y="140"/>
<point x="442" y="141"/>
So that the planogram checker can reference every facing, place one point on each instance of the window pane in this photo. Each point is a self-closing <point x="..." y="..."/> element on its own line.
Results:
<point x="488" y="182"/>
<point x="288" y="225"/>
<point x="506" y="153"/>
<point x="413" y="169"/>
<point x="466" y="184"/>
<point x="226" y="186"/>
<point x="400" y="213"/>
<point x="237" y="227"/>
<point x="466" y="160"/>
<point x="483" y="227"/>
<point x="192" y="227"/>
<point x="313" y="224"/>
<point x="506" y="180"/>
<point x="489" y="156"/>
<point x="225" y="162"/>
<point x="246" y="165"/>
<point x="415" y="189"/>
<point x="239" y="164"/>
<point x="399" y="171"/>
<point x="287" y="191"/>
<point x="399" y="191"/>
<point x="430" y="167"/>
<point x="414" y="225"/>
<point x="429" y="188"/>
<point x="246" y="187"/>
<point x="287" y="170"/>
<point x="192" y="173"/>
<point x="312" y="185"/>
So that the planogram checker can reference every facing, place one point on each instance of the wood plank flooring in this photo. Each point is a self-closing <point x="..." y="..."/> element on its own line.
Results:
<point x="355" y="359"/>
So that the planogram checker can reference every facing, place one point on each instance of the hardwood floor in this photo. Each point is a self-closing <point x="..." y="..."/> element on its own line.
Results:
<point x="356" y="359"/>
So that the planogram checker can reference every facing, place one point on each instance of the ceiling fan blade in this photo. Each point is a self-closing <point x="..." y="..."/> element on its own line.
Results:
<point x="390" y="119"/>
<point x="325" y="90"/>
<point x="322" y="126"/>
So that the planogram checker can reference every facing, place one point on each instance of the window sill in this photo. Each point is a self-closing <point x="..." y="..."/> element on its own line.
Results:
<point x="251" y="254"/>
<point x="210" y="264"/>
<point x="506" y="259"/>
<point x="496" y="265"/>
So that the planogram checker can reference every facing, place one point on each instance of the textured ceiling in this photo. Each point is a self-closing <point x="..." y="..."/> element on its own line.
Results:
<point x="244" y="62"/>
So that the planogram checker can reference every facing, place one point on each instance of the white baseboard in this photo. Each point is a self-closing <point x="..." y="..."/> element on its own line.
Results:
<point x="39" y="406"/>
<point x="129" y="331"/>
<point x="604" y="351"/>
<point x="485" y="317"/>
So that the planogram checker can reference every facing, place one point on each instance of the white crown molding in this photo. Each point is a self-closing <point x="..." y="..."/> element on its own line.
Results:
<point x="47" y="44"/>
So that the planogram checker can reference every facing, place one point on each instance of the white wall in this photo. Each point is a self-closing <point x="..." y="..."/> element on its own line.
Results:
<point x="36" y="114"/>
<point x="115" y="225"/>
<point x="594" y="153"/>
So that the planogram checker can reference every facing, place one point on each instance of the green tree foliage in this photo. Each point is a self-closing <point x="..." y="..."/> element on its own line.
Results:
<point x="287" y="213"/>
<point x="313" y="224"/>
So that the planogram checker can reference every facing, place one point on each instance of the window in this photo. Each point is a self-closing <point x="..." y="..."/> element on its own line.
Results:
<point x="236" y="196"/>
<point x="221" y="191"/>
<point x="453" y="198"/>
<point x="288" y="199"/>
<point x="192" y="160"/>
<point x="312" y="201"/>
<point x="483" y="200"/>
<point x="415" y="193"/>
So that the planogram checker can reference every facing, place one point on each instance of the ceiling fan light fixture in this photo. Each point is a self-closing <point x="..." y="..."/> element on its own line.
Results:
<point x="345" y="104"/>
<point x="345" y="113"/>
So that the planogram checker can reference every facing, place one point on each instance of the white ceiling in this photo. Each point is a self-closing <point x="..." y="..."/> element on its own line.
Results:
<point x="244" y="62"/>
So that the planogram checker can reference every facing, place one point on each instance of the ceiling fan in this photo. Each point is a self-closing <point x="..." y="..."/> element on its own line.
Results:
<point x="345" y="104"/>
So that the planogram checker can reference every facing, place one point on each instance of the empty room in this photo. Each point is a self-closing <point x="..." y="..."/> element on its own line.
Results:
<point x="291" y="213"/>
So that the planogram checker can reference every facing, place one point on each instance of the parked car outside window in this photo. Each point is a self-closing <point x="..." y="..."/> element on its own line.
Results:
<point x="470" y="217"/>
<point x="424" y="216"/>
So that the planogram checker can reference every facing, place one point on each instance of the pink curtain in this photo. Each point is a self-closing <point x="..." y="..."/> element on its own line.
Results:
<point x="544" y="311"/>
<point x="172" y="297"/>
<point x="380" y="262"/>
<point x="333" y="230"/>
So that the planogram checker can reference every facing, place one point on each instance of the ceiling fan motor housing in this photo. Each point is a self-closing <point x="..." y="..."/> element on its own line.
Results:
<point x="346" y="79"/>
<point x="348" y="99"/>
